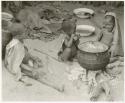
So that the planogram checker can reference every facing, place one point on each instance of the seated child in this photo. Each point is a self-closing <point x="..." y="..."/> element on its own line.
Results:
<point x="69" y="47"/>
<point x="111" y="35"/>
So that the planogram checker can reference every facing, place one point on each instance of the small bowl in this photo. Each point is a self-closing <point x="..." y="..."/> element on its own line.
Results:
<point x="85" y="30"/>
<point x="6" y="16"/>
<point x="83" y="12"/>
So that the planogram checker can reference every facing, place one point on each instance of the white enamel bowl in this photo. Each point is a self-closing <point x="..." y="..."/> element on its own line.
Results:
<point x="85" y="30"/>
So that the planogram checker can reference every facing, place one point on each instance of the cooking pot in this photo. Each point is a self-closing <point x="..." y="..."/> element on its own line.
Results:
<point x="93" y="55"/>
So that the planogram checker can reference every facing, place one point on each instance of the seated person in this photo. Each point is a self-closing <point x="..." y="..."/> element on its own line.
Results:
<point x="15" y="50"/>
<point x="18" y="60"/>
<point x="69" y="46"/>
<point x="111" y="35"/>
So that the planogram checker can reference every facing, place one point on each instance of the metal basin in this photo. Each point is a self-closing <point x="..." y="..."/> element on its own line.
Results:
<point x="93" y="60"/>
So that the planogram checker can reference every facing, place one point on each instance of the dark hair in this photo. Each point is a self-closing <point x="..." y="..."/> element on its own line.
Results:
<point x="69" y="25"/>
<point x="17" y="29"/>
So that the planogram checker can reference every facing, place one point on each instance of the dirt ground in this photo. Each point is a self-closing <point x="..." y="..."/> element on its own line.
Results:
<point x="17" y="91"/>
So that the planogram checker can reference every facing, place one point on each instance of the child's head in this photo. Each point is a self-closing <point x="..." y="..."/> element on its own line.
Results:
<point x="69" y="25"/>
<point x="109" y="22"/>
<point x="17" y="29"/>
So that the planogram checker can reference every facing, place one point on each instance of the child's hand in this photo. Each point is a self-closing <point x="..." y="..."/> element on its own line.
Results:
<point x="76" y="37"/>
<point x="104" y="31"/>
<point x="73" y="35"/>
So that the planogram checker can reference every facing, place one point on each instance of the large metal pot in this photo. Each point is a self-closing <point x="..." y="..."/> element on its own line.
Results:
<point x="91" y="60"/>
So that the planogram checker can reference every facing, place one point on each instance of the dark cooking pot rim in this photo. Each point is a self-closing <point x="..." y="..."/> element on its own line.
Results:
<point x="93" y="52"/>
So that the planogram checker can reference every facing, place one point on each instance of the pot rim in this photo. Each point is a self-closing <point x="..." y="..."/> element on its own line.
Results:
<point x="93" y="52"/>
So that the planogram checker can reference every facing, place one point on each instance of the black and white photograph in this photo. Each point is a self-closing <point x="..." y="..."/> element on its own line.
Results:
<point x="62" y="51"/>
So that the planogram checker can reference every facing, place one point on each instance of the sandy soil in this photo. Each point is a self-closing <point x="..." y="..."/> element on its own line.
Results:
<point x="17" y="91"/>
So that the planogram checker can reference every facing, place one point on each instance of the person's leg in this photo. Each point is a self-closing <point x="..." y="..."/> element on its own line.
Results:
<point x="66" y="54"/>
<point x="73" y="53"/>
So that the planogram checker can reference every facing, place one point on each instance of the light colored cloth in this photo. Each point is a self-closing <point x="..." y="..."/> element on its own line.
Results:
<point x="12" y="43"/>
<point x="47" y="51"/>
<point x="117" y="38"/>
<point x="15" y="53"/>
<point x="50" y="48"/>
<point x="57" y="44"/>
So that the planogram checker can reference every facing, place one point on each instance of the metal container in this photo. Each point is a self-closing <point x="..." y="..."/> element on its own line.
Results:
<point x="93" y="60"/>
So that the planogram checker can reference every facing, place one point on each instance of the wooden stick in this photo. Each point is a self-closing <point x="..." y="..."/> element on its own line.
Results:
<point x="46" y="54"/>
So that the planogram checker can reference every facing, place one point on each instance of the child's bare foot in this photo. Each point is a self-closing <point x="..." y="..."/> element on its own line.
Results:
<point x="22" y="80"/>
<point x="25" y="83"/>
<point x="59" y="59"/>
<point x="60" y="89"/>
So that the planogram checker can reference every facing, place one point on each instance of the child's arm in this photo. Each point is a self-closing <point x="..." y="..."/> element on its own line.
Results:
<point x="116" y="40"/>
<point x="116" y="36"/>
<point x="99" y="36"/>
<point x="68" y="43"/>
